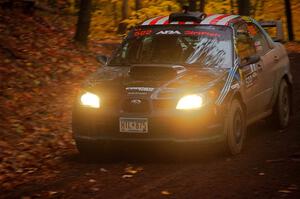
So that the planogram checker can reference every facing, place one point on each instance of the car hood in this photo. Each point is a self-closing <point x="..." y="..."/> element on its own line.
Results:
<point x="153" y="80"/>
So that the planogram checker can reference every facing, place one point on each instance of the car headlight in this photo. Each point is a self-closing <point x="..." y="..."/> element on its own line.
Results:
<point x="189" y="102"/>
<point x="90" y="99"/>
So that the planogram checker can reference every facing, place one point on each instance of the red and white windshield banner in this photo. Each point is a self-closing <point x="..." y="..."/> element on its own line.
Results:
<point x="216" y="19"/>
<point x="219" y="19"/>
<point x="164" y="21"/>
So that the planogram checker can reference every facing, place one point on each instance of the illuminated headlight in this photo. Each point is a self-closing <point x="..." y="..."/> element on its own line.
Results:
<point x="189" y="102"/>
<point x="90" y="99"/>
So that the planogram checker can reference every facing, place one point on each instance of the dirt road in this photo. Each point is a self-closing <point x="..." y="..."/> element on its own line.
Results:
<point x="269" y="167"/>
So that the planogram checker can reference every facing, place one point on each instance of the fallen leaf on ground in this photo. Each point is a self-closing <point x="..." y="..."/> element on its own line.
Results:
<point x="293" y="187"/>
<point x="132" y="170"/>
<point x="103" y="170"/>
<point x="95" y="189"/>
<point x="92" y="180"/>
<point x="275" y="160"/>
<point x="296" y="159"/>
<point x="284" y="191"/>
<point x="51" y="193"/>
<point x="127" y="176"/>
<point x="165" y="192"/>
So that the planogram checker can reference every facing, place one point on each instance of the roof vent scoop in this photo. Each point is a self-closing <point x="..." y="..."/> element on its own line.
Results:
<point x="187" y="16"/>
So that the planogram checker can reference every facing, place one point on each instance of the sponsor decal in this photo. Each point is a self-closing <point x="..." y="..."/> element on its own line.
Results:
<point x="200" y="33"/>
<point x="136" y="101"/>
<point x="258" y="45"/>
<point x="137" y="93"/>
<point x="235" y="86"/>
<point x="251" y="79"/>
<point x="169" y="32"/>
<point x="139" y="33"/>
<point x="141" y="89"/>
<point x="250" y="75"/>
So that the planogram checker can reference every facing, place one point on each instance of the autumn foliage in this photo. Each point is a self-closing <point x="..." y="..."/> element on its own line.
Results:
<point x="40" y="71"/>
<point x="107" y="14"/>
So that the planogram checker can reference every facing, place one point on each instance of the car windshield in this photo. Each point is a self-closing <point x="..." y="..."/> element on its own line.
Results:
<point x="202" y="46"/>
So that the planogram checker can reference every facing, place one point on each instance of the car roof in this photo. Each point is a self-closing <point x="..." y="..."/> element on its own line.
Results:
<point x="213" y="19"/>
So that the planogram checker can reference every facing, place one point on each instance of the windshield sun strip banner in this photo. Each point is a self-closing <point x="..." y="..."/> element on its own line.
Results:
<point x="215" y="19"/>
<point x="147" y="22"/>
<point x="186" y="32"/>
<point x="227" y="19"/>
<point x="208" y="19"/>
<point x="164" y="20"/>
<point x="154" y="21"/>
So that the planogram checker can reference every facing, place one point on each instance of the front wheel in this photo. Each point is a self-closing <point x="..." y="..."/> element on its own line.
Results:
<point x="235" y="128"/>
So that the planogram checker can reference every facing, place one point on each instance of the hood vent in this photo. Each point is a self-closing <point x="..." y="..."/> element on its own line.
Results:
<point x="154" y="72"/>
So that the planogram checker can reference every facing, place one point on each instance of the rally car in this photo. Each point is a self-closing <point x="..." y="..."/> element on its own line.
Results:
<point x="185" y="78"/>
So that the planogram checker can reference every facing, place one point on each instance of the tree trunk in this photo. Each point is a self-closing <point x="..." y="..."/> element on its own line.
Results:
<point x="122" y="25"/>
<point x="289" y="19"/>
<point x="138" y="5"/>
<point x="115" y="14"/>
<point x="52" y="3"/>
<point x="83" y="23"/>
<point x="202" y="5"/>
<point x="181" y="3"/>
<point x="255" y="8"/>
<point x="232" y="6"/>
<point x="244" y="7"/>
<point x="192" y="5"/>
<point x="124" y="9"/>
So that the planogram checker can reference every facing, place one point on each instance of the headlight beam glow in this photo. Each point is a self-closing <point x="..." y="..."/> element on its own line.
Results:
<point x="90" y="99"/>
<point x="190" y="102"/>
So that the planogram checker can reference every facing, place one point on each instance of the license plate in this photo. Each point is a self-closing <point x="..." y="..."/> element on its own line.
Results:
<point x="133" y="125"/>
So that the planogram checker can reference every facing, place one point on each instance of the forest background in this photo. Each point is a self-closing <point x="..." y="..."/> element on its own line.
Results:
<point x="108" y="19"/>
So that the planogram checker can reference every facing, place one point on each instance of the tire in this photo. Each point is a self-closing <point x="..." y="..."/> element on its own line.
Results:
<point x="235" y="128"/>
<point x="282" y="109"/>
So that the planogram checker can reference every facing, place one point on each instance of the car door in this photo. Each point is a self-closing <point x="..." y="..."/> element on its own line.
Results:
<point x="266" y="66"/>
<point x="250" y="73"/>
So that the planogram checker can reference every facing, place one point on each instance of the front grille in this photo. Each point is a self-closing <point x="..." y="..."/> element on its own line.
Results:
<point x="162" y="104"/>
<point x="111" y="103"/>
<point x="130" y="107"/>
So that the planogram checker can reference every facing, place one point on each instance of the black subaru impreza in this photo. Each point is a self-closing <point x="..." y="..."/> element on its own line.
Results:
<point x="185" y="78"/>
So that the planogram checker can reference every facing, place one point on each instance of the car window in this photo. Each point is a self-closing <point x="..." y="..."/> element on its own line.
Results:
<point x="260" y="41"/>
<point x="244" y="43"/>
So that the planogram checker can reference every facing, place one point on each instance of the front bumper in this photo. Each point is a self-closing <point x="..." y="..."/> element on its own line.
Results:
<point x="205" y="125"/>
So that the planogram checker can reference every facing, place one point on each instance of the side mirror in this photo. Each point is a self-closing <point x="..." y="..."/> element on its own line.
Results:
<point x="102" y="59"/>
<point x="250" y="60"/>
